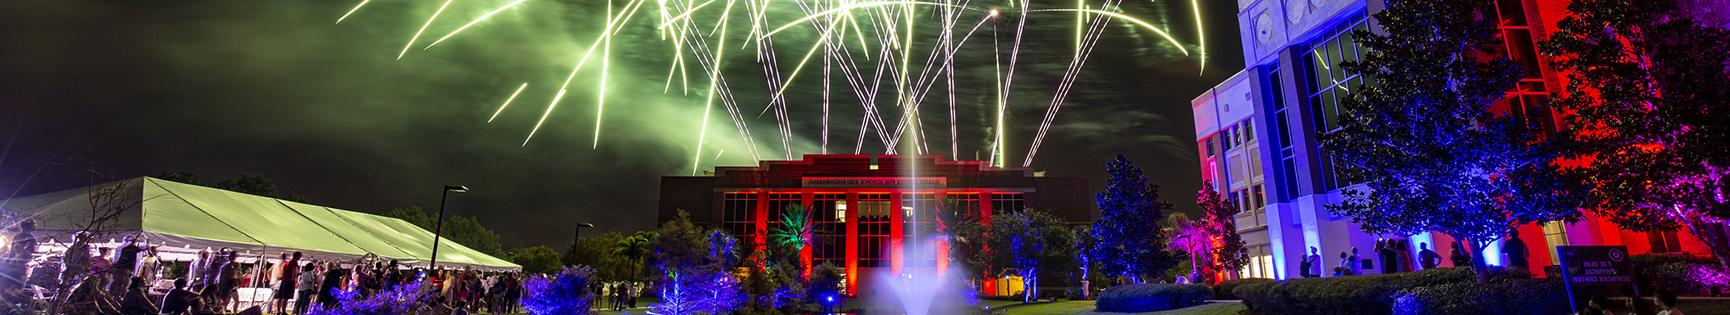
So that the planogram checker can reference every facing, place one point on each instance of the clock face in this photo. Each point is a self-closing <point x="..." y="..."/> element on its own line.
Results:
<point x="1264" y="28"/>
<point x="1295" y="10"/>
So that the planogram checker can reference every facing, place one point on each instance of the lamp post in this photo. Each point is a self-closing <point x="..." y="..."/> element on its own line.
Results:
<point x="575" y="239"/>
<point x="438" y="228"/>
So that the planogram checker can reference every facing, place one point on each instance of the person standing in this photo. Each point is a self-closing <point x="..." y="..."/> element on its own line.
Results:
<point x="1356" y="262"/>
<point x="1460" y="257"/>
<point x="1308" y="262"/>
<point x="17" y="258"/>
<point x="332" y="282"/>
<point x="76" y="260"/>
<point x="287" y="279"/>
<point x="1385" y="252"/>
<point x="307" y="285"/>
<point x="227" y="282"/>
<point x="125" y="261"/>
<point x="148" y="264"/>
<point x="1428" y="258"/>
<point x="1515" y="249"/>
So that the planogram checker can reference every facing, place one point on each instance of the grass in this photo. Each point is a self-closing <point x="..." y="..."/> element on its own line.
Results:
<point x="1086" y="307"/>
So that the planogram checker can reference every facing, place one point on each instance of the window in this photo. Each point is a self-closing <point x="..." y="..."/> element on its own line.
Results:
<point x="1555" y="234"/>
<point x="873" y="230"/>
<point x="1285" y="174"/>
<point x="1329" y="85"/>
<point x="829" y="229"/>
<point x="778" y="206"/>
<point x="1664" y="242"/>
<point x="917" y="211"/>
<point x="966" y="204"/>
<point x="1007" y="203"/>
<point x="738" y="210"/>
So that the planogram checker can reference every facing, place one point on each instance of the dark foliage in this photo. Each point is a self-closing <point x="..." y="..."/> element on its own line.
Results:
<point x="1223" y="290"/>
<point x="1127" y="237"/>
<point x="1352" y="295"/>
<point x="1507" y="296"/>
<point x="1651" y="112"/>
<point x="1138" y="298"/>
<point x="1430" y="148"/>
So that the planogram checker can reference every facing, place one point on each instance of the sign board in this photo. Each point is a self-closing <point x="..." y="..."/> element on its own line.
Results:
<point x="873" y="182"/>
<point x="1594" y="268"/>
<point x="1595" y="265"/>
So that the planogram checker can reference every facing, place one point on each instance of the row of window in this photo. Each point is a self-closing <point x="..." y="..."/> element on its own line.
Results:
<point x="829" y="220"/>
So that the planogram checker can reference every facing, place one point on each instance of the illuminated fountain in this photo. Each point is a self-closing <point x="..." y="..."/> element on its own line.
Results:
<point x="922" y="287"/>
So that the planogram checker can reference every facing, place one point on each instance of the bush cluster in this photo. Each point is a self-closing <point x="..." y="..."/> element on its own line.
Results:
<point x="1354" y="295"/>
<point x="1138" y="298"/>
<point x="1505" y="296"/>
<point x="1680" y="274"/>
<point x="1223" y="291"/>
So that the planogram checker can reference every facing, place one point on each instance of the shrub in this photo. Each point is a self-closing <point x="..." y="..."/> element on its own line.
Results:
<point x="1508" y="296"/>
<point x="1223" y="291"/>
<point x="1138" y="298"/>
<point x="1354" y="295"/>
<point x="1685" y="277"/>
<point x="403" y="299"/>
<point x="564" y="293"/>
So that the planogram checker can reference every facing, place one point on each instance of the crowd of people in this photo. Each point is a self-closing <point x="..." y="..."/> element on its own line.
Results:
<point x="120" y="281"/>
<point x="1394" y="256"/>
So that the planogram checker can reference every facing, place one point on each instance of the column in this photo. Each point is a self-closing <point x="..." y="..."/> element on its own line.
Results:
<point x="897" y="232"/>
<point x="852" y="240"/>
<point x="805" y="250"/>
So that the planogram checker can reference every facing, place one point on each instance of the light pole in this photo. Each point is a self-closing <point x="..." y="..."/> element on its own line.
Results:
<point x="439" y="228"/>
<point x="575" y="239"/>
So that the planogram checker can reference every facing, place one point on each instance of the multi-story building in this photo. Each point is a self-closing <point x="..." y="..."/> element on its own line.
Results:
<point x="869" y="211"/>
<point x="1258" y="133"/>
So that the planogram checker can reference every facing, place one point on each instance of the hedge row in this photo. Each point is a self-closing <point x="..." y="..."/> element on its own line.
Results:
<point x="1138" y="298"/>
<point x="1223" y="291"/>
<point x="1507" y="296"/>
<point x="1354" y="295"/>
<point x="1681" y="274"/>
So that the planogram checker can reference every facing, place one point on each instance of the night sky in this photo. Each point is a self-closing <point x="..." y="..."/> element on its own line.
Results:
<point x="274" y="88"/>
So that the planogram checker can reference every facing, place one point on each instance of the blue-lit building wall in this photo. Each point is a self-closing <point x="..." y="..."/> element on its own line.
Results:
<point x="1284" y="99"/>
<point x="1257" y="132"/>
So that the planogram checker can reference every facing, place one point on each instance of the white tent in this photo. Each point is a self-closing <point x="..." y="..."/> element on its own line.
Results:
<point x="187" y="218"/>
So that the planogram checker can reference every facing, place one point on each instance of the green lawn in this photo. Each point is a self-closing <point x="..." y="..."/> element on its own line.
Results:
<point x="1086" y="307"/>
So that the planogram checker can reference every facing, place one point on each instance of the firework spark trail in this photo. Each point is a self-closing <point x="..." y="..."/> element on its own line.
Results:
<point x="423" y="27"/>
<point x="1070" y="76"/>
<point x="998" y="154"/>
<point x="1009" y="79"/>
<point x="351" y="11"/>
<point x="919" y="93"/>
<point x="1200" y="37"/>
<point x="563" y="88"/>
<point x="477" y="20"/>
<point x="715" y="87"/>
<point x="508" y="102"/>
<point x="1068" y="81"/>
<point x="893" y="29"/>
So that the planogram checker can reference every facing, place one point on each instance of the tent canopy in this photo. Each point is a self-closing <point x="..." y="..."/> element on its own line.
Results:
<point x="191" y="216"/>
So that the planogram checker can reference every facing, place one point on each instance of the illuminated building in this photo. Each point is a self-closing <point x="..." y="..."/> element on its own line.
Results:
<point x="1257" y="132"/>
<point x="866" y="206"/>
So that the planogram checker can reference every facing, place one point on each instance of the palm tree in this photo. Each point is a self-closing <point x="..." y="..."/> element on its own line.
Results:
<point x="1190" y="236"/>
<point x="636" y="248"/>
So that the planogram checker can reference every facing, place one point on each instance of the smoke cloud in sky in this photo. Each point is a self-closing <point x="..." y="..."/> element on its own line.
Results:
<point x="275" y="88"/>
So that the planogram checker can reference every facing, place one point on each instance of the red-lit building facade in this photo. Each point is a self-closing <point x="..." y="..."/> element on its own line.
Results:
<point x="866" y="207"/>
<point x="1257" y="132"/>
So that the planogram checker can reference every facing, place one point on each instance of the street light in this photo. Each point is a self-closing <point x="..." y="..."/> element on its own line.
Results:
<point x="575" y="238"/>
<point x="438" y="228"/>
